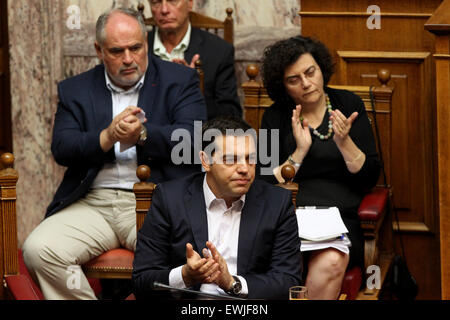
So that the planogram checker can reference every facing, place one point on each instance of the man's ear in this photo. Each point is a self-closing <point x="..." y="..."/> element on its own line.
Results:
<point x="190" y="5"/>
<point x="146" y="41"/>
<point x="206" y="160"/>
<point x="98" y="49"/>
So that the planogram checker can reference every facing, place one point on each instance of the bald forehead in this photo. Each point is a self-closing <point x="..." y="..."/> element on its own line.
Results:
<point x="120" y="21"/>
<point x="119" y="27"/>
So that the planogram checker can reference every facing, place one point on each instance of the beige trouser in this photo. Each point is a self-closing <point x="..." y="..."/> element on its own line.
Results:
<point x="105" y="219"/>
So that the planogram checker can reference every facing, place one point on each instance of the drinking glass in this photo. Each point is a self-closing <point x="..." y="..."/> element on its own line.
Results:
<point x="298" y="293"/>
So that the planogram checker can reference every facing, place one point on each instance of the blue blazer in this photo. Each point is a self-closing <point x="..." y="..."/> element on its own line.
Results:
<point x="171" y="99"/>
<point x="269" y="255"/>
<point x="220" y="83"/>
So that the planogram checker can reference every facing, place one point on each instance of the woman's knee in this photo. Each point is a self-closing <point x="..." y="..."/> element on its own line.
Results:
<point x="332" y="262"/>
<point x="338" y="262"/>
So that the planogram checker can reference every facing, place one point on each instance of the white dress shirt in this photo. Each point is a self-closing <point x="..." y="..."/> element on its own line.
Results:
<point x="120" y="174"/>
<point x="223" y="232"/>
<point x="177" y="52"/>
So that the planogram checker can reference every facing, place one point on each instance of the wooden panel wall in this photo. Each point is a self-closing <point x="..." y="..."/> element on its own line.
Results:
<point x="403" y="47"/>
<point x="5" y="101"/>
<point x="439" y="25"/>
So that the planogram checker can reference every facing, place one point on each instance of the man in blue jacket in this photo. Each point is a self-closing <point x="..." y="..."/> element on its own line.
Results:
<point x="109" y="120"/>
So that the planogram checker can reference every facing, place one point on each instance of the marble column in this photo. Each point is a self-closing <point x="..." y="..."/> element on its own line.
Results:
<point x="35" y="36"/>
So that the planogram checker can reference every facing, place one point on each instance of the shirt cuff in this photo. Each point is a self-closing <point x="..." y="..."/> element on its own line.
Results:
<point x="176" y="278"/>
<point x="244" y="291"/>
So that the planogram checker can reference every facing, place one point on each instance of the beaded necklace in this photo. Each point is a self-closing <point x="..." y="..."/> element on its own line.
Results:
<point x="330" y="124"/>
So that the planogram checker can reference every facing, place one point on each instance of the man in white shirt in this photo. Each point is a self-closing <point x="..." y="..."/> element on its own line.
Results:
<point x="109" y="120"/>
<point x="173" y="39"/>
<point x="222" y="232"/>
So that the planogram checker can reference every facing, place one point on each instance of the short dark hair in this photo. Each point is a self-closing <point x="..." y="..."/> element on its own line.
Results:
<point x="225" y="125"/>
<point x="282" y="54"/>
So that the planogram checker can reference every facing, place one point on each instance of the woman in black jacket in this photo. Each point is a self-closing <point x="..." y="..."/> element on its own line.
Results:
<point x="326" y="135"/>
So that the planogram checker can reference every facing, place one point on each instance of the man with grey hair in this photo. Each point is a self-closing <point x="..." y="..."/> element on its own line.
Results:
<point x="173" y="39"/>
<point x="109" y="120"/>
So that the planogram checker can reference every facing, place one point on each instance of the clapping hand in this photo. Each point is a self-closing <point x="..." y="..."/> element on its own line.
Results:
<point x="300" y="130"/>
<point x="184" y="63"/>
<point x="125" y="127"/>
<point x="128" y="127"/>
<point x="197" y="269"/>
<point x="341" y="125"/>
<point x="223" y="278"/>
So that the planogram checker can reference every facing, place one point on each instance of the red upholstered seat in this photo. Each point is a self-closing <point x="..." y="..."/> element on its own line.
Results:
<point x="371" y="213"/>
<point x="24" y="278"/>
<point x="352" y="283"/>
<point x="373" y="204"/>
<point x="118" y="263"/>
<point x="22" y="286"/>
<point x="131" y="297"/>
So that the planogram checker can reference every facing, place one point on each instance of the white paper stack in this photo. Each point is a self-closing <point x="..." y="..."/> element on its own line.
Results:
<point x="322" y="228"/>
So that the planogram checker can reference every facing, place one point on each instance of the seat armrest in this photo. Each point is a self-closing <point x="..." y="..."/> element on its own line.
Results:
<point x="373" y="204"/>
<point x="20" y="287"/>
<point x="352" y="283"/>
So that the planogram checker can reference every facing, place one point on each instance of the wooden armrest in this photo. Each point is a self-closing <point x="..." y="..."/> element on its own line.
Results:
<point x="377" y="228"/>
<point x="20" y="287"/>
<point x="143" y="191"/>
<point x="373" y="204"/>
<point x="352" y="283"/>
<point x="288" y="174"/>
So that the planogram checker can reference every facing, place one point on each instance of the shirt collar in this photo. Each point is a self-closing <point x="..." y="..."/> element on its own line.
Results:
<point x="115" y="89"/>
<point x="210" y="197"/>
<point x="160" y="50"/>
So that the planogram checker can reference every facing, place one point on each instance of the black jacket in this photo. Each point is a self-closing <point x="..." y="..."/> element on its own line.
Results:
<point x="269" y="255"/>
<point x="217" y="56"/>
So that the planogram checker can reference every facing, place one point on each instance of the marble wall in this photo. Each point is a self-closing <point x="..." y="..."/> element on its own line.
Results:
<point x="50" y="47"/>
<point x="35" y="36"/>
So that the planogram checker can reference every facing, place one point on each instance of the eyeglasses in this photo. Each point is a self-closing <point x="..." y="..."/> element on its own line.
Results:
<point x="157" y="3"/>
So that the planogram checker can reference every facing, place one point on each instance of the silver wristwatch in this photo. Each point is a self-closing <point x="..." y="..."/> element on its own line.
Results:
<point x="142" y="136"/>
<point x="236" y="287"/>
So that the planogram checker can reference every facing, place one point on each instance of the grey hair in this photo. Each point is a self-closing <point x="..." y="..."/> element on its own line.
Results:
<point x="100" y="34"/>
